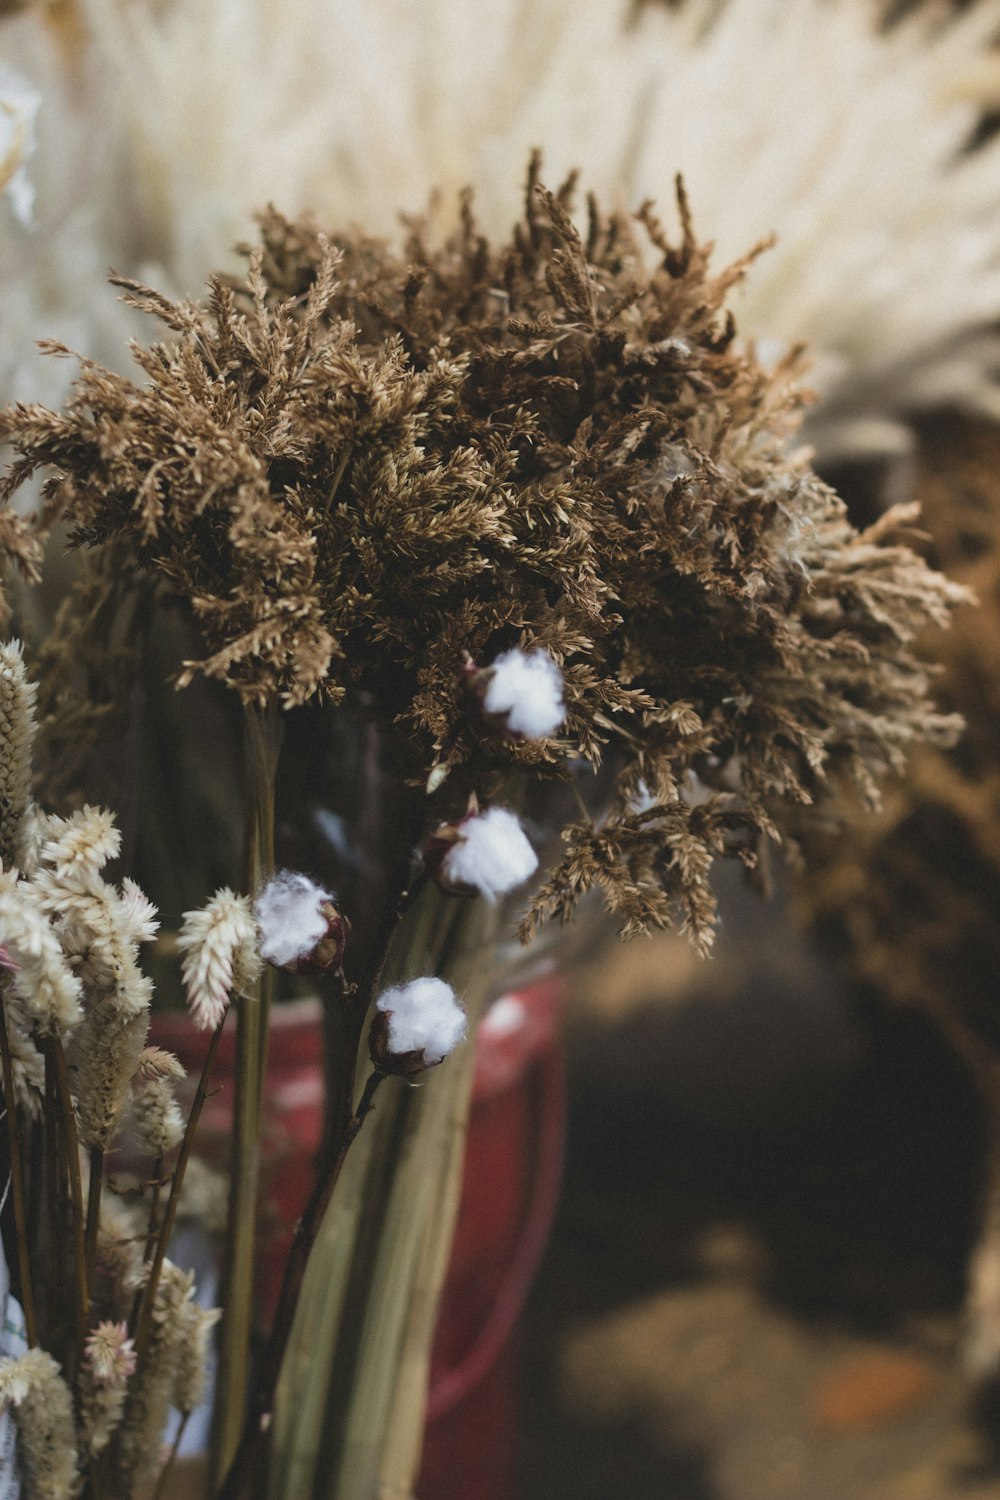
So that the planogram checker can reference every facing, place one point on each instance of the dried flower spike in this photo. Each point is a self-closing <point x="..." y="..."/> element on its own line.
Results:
<point x="301" y="929"/>
<point x="17" y="736"/>
<point x="522" y="692"/>
<point x="416" y="1026"/>
<point x="484" y="854"/>
<point x="219" y="947"/>
<point x="43" y="1409"/>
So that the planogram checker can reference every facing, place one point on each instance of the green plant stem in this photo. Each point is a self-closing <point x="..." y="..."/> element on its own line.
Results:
<point x="250" y="1456"/>
<point x="252" y="1030"/>
<point x="144" y="1321"/>
<point x="17" y="1181"/>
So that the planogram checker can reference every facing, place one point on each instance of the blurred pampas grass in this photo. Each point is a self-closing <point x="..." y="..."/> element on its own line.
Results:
<point x="846" y="138"/>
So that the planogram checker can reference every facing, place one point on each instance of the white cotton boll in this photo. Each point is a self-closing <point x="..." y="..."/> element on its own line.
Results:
<point x="293" y="914"/>
<point x="491" y="854"/>
<point x="525" y="688"/>
<point x="423" y="1017"/>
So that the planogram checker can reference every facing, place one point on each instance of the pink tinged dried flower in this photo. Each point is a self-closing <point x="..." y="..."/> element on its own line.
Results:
<point x="43" y="1410"/>
<point x="416" y="1026"/>
<point x="109" y="1354"/>
<point x="219" y="948"/>
<point x="17" y="738"/>
<point x="301" y="929"/>
<point x="484" y="853"/>
<point x="523" y="691"/>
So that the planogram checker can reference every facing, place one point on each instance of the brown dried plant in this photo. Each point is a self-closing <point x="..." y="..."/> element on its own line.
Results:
<point x="358" y="465"/>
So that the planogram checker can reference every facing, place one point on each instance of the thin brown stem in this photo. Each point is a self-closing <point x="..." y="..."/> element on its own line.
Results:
<point x="55" y="1237"/>
<point x="17" y="1181"/>
<point x="52" y="1045"/>
<point x="258" y="1421"/>
<point x="144" y="1321"/>
<point x="171" y="1458"/>
<point x="153" y="1223"/>
<point x="94" y="1188"/>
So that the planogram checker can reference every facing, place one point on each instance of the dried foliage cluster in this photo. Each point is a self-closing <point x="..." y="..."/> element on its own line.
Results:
<point x="359" y="464"/>
<point x="916" y="892"/>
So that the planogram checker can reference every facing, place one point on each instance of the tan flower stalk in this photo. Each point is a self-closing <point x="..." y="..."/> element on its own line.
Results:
<point x="108" y="1363"/>
<point x="156" y="1115"/>
<point x="17" y="734"/>
<point x="100" y="929"/>
<point x="136" y="1453"/>
<point x="192" y="1365"/>
<point x="43" y="1409"/>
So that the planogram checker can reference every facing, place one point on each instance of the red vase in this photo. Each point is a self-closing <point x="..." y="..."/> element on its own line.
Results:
<point x="510" y="1185"/>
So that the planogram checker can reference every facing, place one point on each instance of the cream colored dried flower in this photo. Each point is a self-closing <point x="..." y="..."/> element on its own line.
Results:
<point x="99" y="929"/>
<point x="137" y="918"/>
<point x="119" y="1259"/>
<point x="219" y="947"/>
<point x="156" y="1116"/>
<point x="47" y="991"/>
<point x="192" y="1365"/>
<point x="43" y="1410"/>
<point x="17" y="735"/>
<point x="156" y="1063"/>
<point x="27" y="1063"/>
<point x="136" y="1454"/>
<point x="79" y="846"/>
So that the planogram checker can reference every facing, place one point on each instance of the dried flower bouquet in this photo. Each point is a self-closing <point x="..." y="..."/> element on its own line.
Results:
<point x="527" y="514"/>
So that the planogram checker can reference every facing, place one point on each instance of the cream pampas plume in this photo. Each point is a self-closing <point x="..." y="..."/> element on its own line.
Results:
<point x="219" y="955"/>
<point x="43" y="1410"/>
<point x="845" y="138"/>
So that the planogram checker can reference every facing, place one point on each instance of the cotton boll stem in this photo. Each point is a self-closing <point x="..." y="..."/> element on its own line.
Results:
<point x="261" y="747"/>
<point x="256" y="1425"/>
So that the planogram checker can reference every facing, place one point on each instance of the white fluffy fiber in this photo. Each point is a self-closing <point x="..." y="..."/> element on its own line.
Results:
<point x="424" y="1016"/>
<point x="492" y="854"/>
<point x="289" y="916"/>
<point x="526" y="689"/>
